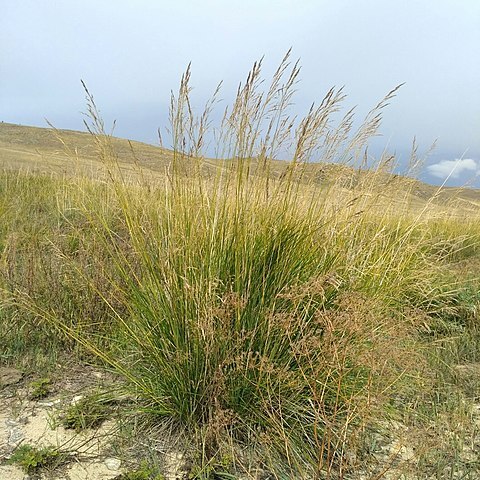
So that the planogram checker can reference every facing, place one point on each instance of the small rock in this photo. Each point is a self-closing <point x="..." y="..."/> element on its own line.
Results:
<point x="49" y="403"/>
<point x="76" y="399"/>
<point x="16" y="436"/>
<point x="113" y="463"/>
<point x="9" y="376"/>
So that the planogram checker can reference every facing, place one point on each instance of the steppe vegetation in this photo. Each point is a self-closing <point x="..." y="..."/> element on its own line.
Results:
<point x="279" y="318"/>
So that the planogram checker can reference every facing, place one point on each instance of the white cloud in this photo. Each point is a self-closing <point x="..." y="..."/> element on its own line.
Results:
<point x="454" y="168"/>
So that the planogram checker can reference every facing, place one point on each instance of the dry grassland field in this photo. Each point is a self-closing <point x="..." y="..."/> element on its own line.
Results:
<point x="199" y="312"/>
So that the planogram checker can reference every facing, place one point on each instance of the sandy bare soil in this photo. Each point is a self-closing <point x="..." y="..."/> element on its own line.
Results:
<point x="36" y="423"/>
<point x="92" y="453"/>
<point x="92" y="456"/>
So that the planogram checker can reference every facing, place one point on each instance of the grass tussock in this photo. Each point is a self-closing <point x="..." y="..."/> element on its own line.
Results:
<point x="273" y="316"/>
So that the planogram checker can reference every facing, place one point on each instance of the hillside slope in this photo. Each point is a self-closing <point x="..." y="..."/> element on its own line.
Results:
<point x="48" y="150"/>
<point x="69" y="152"/>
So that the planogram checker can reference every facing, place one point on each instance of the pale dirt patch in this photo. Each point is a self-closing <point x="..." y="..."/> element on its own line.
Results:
<point x="36" y="423"/>
<point x="90" y="471"/>
<point x="23" y="421"/>
<point x="9" y="376"/>
<point x="11" y="472"/>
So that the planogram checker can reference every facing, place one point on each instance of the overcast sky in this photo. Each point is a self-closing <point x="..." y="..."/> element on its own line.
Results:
<point x="131" y="54"/>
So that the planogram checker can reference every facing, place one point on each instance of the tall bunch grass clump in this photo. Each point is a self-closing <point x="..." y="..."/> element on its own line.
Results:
<point x="257" y="303"/>
<point x="239" y="323"/>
